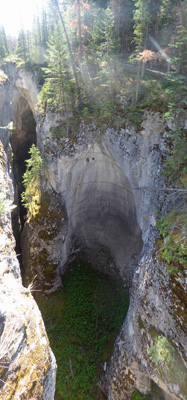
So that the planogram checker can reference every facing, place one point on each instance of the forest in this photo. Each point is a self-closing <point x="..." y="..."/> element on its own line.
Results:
<point x="86" y="53"/>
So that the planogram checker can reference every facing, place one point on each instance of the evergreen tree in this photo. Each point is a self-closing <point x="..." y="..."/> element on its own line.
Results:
<point x="177" y="78"/>
<point x="59" y="87"/>
<point x="104" y="42"/>
<point x="3" y="44"/>
<point x="141" y="23"/>
<point x="31" y="197"/>
<point x="176" y="165"/>
<point x="71" y="58"/>
<point x="44" y="29"/>
<point x="123" y="18"/>
<point x="22" y="50"/>
<point x="179" y="38"/>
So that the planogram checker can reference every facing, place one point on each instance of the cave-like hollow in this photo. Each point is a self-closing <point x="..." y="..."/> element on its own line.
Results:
<point x="22" y="138"/>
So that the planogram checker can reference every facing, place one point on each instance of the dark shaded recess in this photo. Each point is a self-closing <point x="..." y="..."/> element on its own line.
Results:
<point x="2" y="323"/>
<point x="157" y="393"/>
<point x="21" y="141"/>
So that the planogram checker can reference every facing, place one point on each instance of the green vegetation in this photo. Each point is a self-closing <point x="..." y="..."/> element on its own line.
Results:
<point x="3" y="44"/>
<point x="2" y="204"/>
<point x="81" y="50"/>
<point x="31" y="197"/>
<point x="162" y="353"/>
<point x="173" y="249"/>
<point x="82" y="322"/>
<point x="175" y="169"/>
<point x="136" y="395"/>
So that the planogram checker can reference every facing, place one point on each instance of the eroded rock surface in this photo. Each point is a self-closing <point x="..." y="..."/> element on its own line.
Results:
<point x="100" y="210"/>
<point x="42" y="241"/>
<point x="134" y="158"/>
<point x="27" y="364"/>
<point x="157" y="309"/>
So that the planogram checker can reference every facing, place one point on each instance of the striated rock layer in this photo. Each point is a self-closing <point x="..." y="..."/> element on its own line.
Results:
<point x="101" y="214"/>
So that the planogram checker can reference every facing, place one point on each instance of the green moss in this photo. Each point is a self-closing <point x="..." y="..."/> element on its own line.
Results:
<point x="136" y="395"/>
<point x="162" y="352"/>
<point x="82" y="322"/>
<point x="172" y="246"/>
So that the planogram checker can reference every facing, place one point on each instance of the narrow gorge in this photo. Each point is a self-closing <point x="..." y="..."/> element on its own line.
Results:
<point x="100" y="192"/>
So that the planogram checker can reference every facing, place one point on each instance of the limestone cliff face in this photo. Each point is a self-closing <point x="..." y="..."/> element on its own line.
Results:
<point x="27" y="364"/>
<point x="100" y="209"/>
<point x="106" y="188"/>
<point x="158" y="300"/>
<point x="110" y="188"/>
<point x="157" y="309"/>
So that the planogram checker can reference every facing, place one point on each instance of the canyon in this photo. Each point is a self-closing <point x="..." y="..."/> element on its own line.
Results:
<point x="100" y="193"/>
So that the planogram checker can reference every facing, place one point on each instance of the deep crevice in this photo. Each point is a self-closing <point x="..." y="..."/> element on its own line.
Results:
<point x="23" y="136"/>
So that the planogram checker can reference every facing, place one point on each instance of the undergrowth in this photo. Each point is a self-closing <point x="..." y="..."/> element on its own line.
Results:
<point x="173" y="249"/>
<point x="136" y="395"/>
<point x="82" y="322"/>
<point x="151" y="96"/>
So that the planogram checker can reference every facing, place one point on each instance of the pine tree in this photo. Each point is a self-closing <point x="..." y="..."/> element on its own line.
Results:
<point x="44" y="29"/>
<point x="22" y="50"/>
<point x="177" y="94"/>
<point x="179" y="38"/>
<point x="71" y="58"/>
<point x="3" y="44"/>
<point x="59" y="87"/>
<point x="31" y="197"/>
<point x="123" y="18"/>
<point x="178" y="76"/>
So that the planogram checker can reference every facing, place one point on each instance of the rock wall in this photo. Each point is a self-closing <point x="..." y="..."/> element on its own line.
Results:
<point x="157" y="309"/>
<point x="133" y="160"/>
<point x="107" y="187"/>
<point x="27" y="364"/>
<point x="100" y="210"/>
<point x="158" y="300"/>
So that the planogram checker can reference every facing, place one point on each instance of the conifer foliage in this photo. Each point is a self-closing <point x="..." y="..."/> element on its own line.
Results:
<point x="31" y="197"/>
<point x="81" y="47"/>
<point x="4" y="50"/>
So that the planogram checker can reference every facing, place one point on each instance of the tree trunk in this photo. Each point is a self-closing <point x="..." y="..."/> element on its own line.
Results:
<point x="70" y="51"/>
<point x="79" y="30"/>
<point x="138" y="82"/>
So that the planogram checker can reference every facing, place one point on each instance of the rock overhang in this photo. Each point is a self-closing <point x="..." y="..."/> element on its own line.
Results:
<point x="100" y="210"/>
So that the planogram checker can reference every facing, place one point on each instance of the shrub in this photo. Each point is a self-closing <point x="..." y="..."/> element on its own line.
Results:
<point x="136" y="395"/>
<point x="31" y="197"/>
<point x="172" y="227"/>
